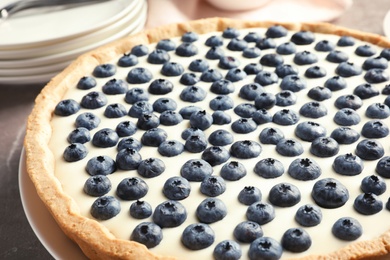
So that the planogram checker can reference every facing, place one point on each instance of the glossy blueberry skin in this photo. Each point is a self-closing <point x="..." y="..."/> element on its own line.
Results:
<point x="260" y="212"/>
<point x="187" y="111"/>
<point x="188" y="132"/>
<point x="368" y="204"/>
<point x="309" y="131"/>
<point x="189" y="79"/>
<point x="186" y="49"/>
<point x="236" y="44"/>
<point x="313" y="109"/>
<point x="244" y="126"/>
<point x="348" y="69"/>
<point x="304" y="169"/>
<point x="305" y="58"/>
<point x="337" y="56"/>
<point x="235" y="75"/>
<point x="376" y="76"/>
<point x="252" y="37"/>
<point x="169" y="213"/>
<point x="369" y="149"/>
<point x="128" y="159"/>
<point x="346" y="117"/>
<point x="220" y="137"/>
<point x="346" y="41"/>
<point x="296" y="240"/>
<point x="100" y="165"/>
<point x="222" y="87"/>
<point x="215" y="155"/>
<point x="365" y="50"/>
<point x="221" y="118"/>
<point x="227" y="250"/>
<point x="170" y="148"/>
<point x="105" y="137"/>
<point x="166" y="44"/>
<point x="315" y="72"/>
<point x="251" y="91"/>
<point x="212" y="186"/>
<point x="189" y="37"/>
<point x="148" y="121"/>
<point x="134" y="95"/>
<point x="79" y="135"/>
<point x="303" y="38"/>
<point x="285" y="70"/>
<point x="75" y="152"/>
<point x="365" y="91"/>
<point x="335" y="83"/>
<point x="93" y="100"/>
<point x="375" y="129"/>
<point x="132" y="188"/>
<point x="214" y="41"/>
<point x="271" y="60"/>
<point x="348" y="164"/>
<point x="324" y="147"/>
<point x="158" y="56"/>
<point x="97" y="185"/>
<point x="265" y="78"/>
<point x="378" y="111"/>
<point x="270" y="135"/>
<point x="378" y="62"/>
<point x="128" y="60"/>
<point x="195" y="143"/>
<point x="198" y="65"/>
<point x="164" y="104"/>
<point x="211" y="210"/>
<point x="104" y="70"/>
<point x="230" y="33"/>
<point x="265" y="100"/>
<point x="249" y="195"/>
<point x="176" y="188"/>
<point x="373" y="184"/>
<point x="87" y="120"/>
<point x="284" y="195"/>
<point x="293" y="83"/>
<point x="247" y="231"/>
<point x="319" y="93"/>
<point x="151" y="167"/>
<point x="140" y="209"/>
<point x="215" y="53"/>
<point x="116" y="110"/>
<point x="286" y="48"/>
<point x="105" y="207"/>
<point x="266" y="43"/>
<point x="201" y="120"/>
<point x="276" y="31"/>
<point x="139" y="108"/>
<point x="196" y="170"/>
<point x="222" y="103"/>
<point x="139" y="75"/>
<point x="289" y="147"/>
<point x="265" y="248"/>
<point x="285" y="117"/>
<point x="140" y="50"/>
<point x="269" y="168"/>
<point x="348" y="229"/>
<point x="172" y="69"/>
<point x="233" y="171"/>
<point x="262" y="116"/>
<point x="211" y="75"/>
<point x="253" y="68"/>
<point x="245" y="149"/>
<point x="160" y="87"/>
<point x="329" y="193"/>
<point x="285" y="98"/>
<point x="348" y="101"/>
<point x="345" y="135"/>
<point x="67" y="107"/>
<point x="148" y="234"/>
<point x="383" y="167"/>
<point x="324" y="46"/>
<point x="86" y="82"/>
<point x="129" y="142"/>
<point x="308" y="215"/>
<point x="251" y="52"/>
<point x="198" y="236"/>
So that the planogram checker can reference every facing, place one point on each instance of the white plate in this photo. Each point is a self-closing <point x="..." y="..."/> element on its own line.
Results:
<point x="64" y="24"/>
<point x="34" y="70"/>
<point x="42" y="223"/>
<point x="386" y="24"/>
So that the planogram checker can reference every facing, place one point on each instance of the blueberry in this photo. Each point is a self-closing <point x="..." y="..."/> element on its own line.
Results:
<point x="365" y="91"/>
<point x="270" y="135"/>
<point x="262" y="116"/>
<point x="154" y="137"/>
<point x="308" y="215"/>
<point x="345" y="135"/>
<point x="251" y="52"/>
<point x="285" y="117"/>
<point x="324" y="46"/>
<point x="385" y="53"/>
<point x="67" y="107"/>
<point x="163" y="104"/>
<point x="212" y="186"/>
<point x="128" y="60"/>
<point x="151" y="167"/>
<point x="348" y="229"/>
<point x="375" y="129"/>
<point x="189" y="79"/>
<point x="230" y="33"/>
<point x="189" y="37"/>
<point x="210" y="75"/>
<point x="346" y="117"/>
<point x="319" y="93"/>
<point x="160" y="87"/>
<point x="166" y="44"/>
<point x="315" y="72"/>
<point x="373" y="184"/>
<point x="211" y="210"/>
<point x="172" y="69"/>
<point x="293" y="83"/>
<point x="289" y="147"/>
<point x="271" y="60"/>
<point x="196" y="170"/>
<point x="305" y="58"/>
<point x="265" y="78"/>
<point x="348" y="69"/>
<point x="286" y="48"/>
<point x="140" y="209"/>
<point x="132" y="188"/>
<point x="176" y="188"/>
<point x="186" y="49"/>
<point x="252" y="37"/>
<point x="346" y="41"/>
<point x="201" y="120"/>
<point x="195" y="144"/>
<point x="170" y="118"/>
<point x="93" y="100"/>
<point x="265" y="248"/>
<point x="116" y="110"/>
<point x="136" y="94"/>
<point x="376" y="76"/>
<point x="260" y="212"/>
<point x="87" y="120"/>
<point x="276" y="31"/>
<point x="187" y="111"/>
<point x="148" y="121"/>
<point x="269" y="168"/>
<point x="170" y="213"/>
<point x="128" y="159"/>
<point x="198" y="65"/>
<point x="215" y="53"/>
<point x="139" y="108"/>
<point x="378" y="111"/>
<point x="222" y="87"/>
<point x="191" y="131"/>
<point x="158" y="56"/>
<point x="97" y="185"/>
<point x="198" y="236"/>
<point x="100" y="165"/>
<point x="253" y="68"/>
<point x="221" y="118"/>
<point x="236" y="44"/>
<point x="387" y="101"/>
<point x="220" y="137"/>
<point x="170" y="148"/>
<point x="105" y="137"/>
<point x="335" y="83"/>
<point x="266" y="43"/>
<point x="86" y="82"/>
<point x="303" y="38"/>
<point x="265" y="100"/>
<point x="104" y="70"/>
<point x="369" y="149"/>
<point x="329" y="193"/>
<point x="304" y="169"/>
<point x="129" y="142"/>
<point x="284" y="195"/>
<point x="368" y="204"/>
<point x="249" y="195"/>
<point x="324" y="147"/>
<point x="309" y="131"/>
<point x="337" y="56"/>
<point x="227" y="250"/>
<point x="247" y="231"/>
<point x="222" y="103"/>
<point x="348" y="101"/>
<point x="139" y="75"/>
<point x="148" y="234"/>
<point x="214" y="41"/>
<point x="79" y="135"/>
<point x="75" y="152"/>
<point x="244" y="125"/>
<point x="348" y="164"/>
<point x="235" y="75"/>
<point x="383" y="167"/>
<point x="285" y="98"/>
<point x="105" y="207"/>
<point x="245" y="149"/>
<point x="365" y="50"/>
<point x="285" y="70"/>
<point x="250" y="91"/>
<point x="296" y="240"/>
<point x="313" y="109"/>
<point x="377" y="63"/>
<point x="215" y="155"/>
<point x="233" y="171"/>
<point x="140" y="50"/>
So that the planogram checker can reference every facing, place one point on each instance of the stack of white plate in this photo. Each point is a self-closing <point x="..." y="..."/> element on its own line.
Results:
<point x="35" y="47"/>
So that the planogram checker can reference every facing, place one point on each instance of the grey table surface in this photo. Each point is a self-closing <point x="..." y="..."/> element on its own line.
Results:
<point x="17" y="239"/>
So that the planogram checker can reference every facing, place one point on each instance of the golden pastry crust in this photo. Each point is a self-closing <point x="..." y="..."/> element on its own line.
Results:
<point x="93" y="238"/>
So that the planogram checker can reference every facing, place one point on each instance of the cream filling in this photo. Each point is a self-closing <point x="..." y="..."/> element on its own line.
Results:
<point x="73" y="175"/>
